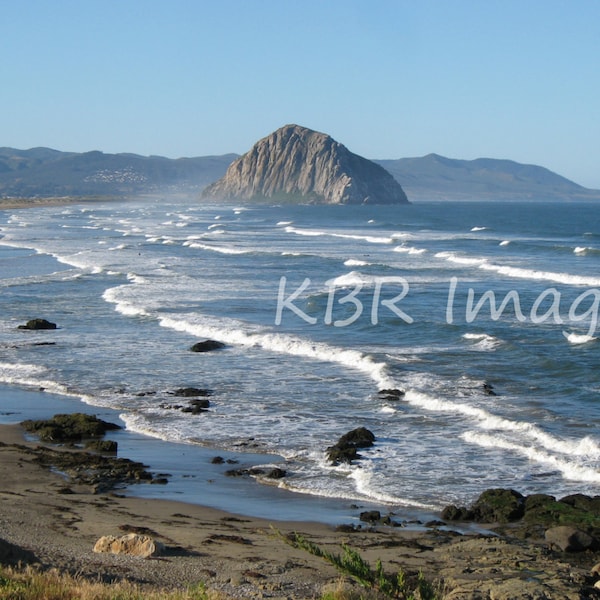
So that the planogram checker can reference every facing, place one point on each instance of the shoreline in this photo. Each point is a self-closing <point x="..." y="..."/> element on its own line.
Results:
<point x="194" y="478"/>
<point x="237" y="556"/>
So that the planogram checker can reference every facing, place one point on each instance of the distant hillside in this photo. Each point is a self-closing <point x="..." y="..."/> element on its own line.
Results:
<point x="435" y="177"/>
<point x="297" y="164"/>
<point x="45" y="172"/>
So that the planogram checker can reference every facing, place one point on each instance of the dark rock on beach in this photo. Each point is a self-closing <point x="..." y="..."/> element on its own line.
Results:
<point x="370" y="516"/>
<point x="570" y="539"/>
<point x="264" y="472"/>
<point x="536" y="516"/>
<point x="103" y="446"/>
<point x="101" y="473"/>
<point x="345" y="449"/>
<point x="392" y="394"/>
<point x="37" y="324"/>
<point x="488" y="389"/>
<point x="207" y="346"/>
<point x="196" y="407"/>
<point x="69" y="427"/>
<point x="192" y="392"/>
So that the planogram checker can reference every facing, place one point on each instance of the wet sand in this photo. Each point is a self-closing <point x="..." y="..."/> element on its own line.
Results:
<point x="246" y="557"/>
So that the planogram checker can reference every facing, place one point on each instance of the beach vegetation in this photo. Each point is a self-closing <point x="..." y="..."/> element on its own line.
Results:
<point x="349" y="562"/>
<point x="31" y="584"/>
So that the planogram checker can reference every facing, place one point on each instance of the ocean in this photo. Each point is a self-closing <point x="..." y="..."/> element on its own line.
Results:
<point x="484" y="314"/>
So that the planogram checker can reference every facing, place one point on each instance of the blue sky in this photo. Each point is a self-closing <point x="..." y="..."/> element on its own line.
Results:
<point x="389" y="79"/>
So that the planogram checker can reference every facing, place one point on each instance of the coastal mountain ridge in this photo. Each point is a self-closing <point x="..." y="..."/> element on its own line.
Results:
<point x="45" y="172"/>
<point x="298" y="164"/>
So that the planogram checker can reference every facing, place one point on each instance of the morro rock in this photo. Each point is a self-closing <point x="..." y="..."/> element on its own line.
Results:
<point x="296" y="164"/>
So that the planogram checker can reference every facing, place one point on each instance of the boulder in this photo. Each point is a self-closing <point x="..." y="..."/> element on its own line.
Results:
<point x="456" y="513"/>
<point x="345" y="449"/>
<point x="264" y="472"/>
<point x="36" y="324"/>
<point x="103" y="446"/>
<point x="488" y="389"/>
<point x="370" y="516"/>
<point x="207" y="346"/>
<point x="570" y="539"/>
<point x="192" y="392"/>
<point x="499" y="506"/>
<point x="132" y="544"/>
<point x="391" y="394"/>
<point x="69" y="427"/>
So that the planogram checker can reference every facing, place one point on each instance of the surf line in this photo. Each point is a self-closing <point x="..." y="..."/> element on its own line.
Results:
<point x="550" y="297"/>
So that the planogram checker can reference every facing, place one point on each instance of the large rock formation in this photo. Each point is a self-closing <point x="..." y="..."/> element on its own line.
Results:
<point x="297" y="164"/>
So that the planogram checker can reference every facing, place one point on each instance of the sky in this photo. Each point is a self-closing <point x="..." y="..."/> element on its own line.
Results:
<point x="515" y="79"/>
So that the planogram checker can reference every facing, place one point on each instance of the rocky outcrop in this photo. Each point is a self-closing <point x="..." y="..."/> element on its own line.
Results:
<point x="345" y="449"/>
<point x="297" y="164"/>
<point x="69" y="427"/>
<point x="207" y="346"/>
<point x="37" y="324"/>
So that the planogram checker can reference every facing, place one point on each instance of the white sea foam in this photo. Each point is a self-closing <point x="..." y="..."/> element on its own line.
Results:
<point x="283" y="223"/>
<point x="122" y="306"/>
<point x="220" y="249"/>
<point x="409" y="250"/>
<point x="30" y="376"/>
<point x="577" y="339"/>
<point x="585" y="447"/>
<point x="353" y="262"/>
<point x="570" y="469"/>
<point x="286" y="344"/>
<point x="580" y="250"/>
<point x="348" y="236"/>
<point x="363" y="481"/>
<point x="352" y="279"/>
<point x="461" y="260"/>
<point x="484" y="341"/>
<point x="478" y="228"/>
<point x="504" y="243"/>
<point x="519" y="272"/>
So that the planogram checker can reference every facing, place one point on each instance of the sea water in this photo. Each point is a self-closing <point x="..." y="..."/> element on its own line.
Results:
<point x="321" y="308"/>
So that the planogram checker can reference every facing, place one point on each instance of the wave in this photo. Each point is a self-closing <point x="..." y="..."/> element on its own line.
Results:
<point x="478" y="228"/>
<point x="484" y="341"/>
<point x="409" y="250"/>
<point x="569" y="469"/>
<point x="519" y="272"/>
<point x="352" y="262"/>
<point x="28" y="375"/>
<point x="220" y="249"/>
<point x="504" y="243"/>
<point x="347" y="236"/>
<point x="586" y="250"/>
<point x="124" y="307"/>
<point x="586" y="447"/>
<point x="577" y="339"/>
<point x="286" y="344"/>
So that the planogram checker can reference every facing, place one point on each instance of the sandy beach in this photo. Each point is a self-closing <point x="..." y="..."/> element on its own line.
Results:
<point x="245" y="557"/>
